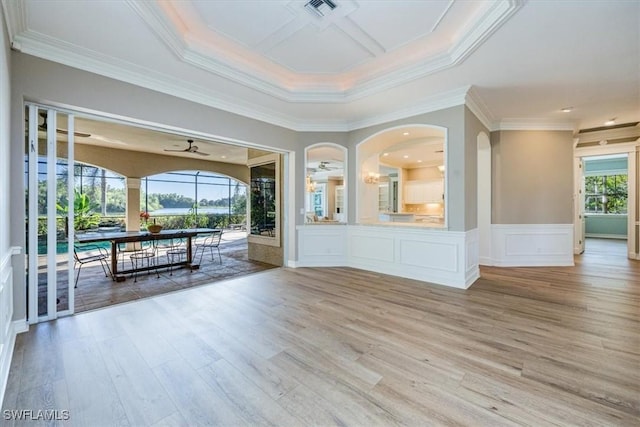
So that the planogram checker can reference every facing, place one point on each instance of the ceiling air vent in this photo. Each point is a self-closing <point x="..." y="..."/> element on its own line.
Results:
<point x="320" y="7"/>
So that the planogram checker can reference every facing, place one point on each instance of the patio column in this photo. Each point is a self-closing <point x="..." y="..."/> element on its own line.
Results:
<point x="133" y="204"/>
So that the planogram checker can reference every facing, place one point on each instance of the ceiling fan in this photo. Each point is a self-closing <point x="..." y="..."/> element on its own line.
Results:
<point x="190" y="149"/>
<point x="324" y="165"/>
<point x="42" y="125"/>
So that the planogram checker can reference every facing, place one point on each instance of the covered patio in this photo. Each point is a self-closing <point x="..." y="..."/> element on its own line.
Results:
<point x="95" y="290"/>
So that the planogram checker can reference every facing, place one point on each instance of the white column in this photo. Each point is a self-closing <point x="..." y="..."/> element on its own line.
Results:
<point x="133" y="204"/>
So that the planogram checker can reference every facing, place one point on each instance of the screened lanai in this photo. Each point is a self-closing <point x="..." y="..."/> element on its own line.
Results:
<point x="89" y="177"/>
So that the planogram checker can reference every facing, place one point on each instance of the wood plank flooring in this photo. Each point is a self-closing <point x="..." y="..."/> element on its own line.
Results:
<point x="339" y="346"/>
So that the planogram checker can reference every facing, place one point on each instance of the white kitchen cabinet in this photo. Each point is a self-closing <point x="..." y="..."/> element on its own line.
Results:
<point x="417" y="192"/>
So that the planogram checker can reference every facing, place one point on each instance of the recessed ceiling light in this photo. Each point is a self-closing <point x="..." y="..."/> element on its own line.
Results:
<point x="406" y="133"/>
<point x="406" y="156"/>
<point x="567" y="109"/>
<point x="419" y="161"/>
<point x="610" y="122"/>
<point x="385" y="154"/>
<point x="223" y="157"/>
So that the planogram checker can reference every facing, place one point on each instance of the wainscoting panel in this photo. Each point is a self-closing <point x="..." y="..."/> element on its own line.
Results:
<point x="322" y="246"/>
<point x="7" y="333"/>
<point x="439" y="256"/>
<point x="371" y="247"/>
<point x="522" y="245"/>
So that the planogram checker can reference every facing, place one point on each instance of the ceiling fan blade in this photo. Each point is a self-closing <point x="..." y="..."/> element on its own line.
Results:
<point x="200" y="153"/>
<point x="177" y="151"/>
<point x="78" y="134"/>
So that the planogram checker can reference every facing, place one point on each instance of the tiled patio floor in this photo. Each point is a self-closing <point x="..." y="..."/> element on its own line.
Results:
<point x="95" y="290"/>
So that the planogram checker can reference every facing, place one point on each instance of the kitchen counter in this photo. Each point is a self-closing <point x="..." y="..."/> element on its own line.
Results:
<point x="396" y="217"/>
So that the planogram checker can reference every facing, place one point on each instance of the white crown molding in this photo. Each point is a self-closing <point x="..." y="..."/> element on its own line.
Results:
<point x="474" y="36"/>
<point x="534" y="124"/>
<point x="437" y="102"/>
<point x="15" y="16"/>
<point x="479" y="108"/>
<point x="159" y="23"/>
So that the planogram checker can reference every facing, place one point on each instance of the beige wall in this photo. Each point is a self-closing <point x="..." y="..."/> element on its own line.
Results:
<point x="532" y="177"/>
<point x="427" y="173"/>
<point x="472" y="128"/>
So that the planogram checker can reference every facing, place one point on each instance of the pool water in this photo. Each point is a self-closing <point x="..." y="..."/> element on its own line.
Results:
<point x="63" y="247"/>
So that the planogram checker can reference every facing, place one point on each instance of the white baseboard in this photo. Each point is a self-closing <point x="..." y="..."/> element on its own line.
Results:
<point x="532" y="245"/>
<point x="485" y="260"/>
<point x="20" y="326"/>
<point x="606" y="236"/>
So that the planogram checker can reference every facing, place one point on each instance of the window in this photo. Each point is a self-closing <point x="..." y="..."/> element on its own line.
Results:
<point x="606" y="194"/>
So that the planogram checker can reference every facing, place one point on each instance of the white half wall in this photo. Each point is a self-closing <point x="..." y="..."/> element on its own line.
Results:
<point x="322" y="245"/>
<point x="532" y="245"/>
<point x="443" y="257"/>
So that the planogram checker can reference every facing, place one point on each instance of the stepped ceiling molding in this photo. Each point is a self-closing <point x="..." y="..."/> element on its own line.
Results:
<point x="514" y="63"/>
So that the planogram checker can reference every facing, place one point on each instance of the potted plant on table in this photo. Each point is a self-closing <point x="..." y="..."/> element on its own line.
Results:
<point x="153" y="228"/>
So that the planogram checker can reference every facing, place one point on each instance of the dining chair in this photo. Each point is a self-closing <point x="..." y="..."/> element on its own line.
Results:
<point x="85" y="254"/>
<point x="143" y="251"/>
<point x="210" y="242"/>
<point x="176" y="249"/>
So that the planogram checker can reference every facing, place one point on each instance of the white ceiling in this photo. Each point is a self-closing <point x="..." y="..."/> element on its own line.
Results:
<point x="515" y="63"/>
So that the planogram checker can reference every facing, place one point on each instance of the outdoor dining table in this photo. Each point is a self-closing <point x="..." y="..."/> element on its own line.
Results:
<point x="118" y="237"/>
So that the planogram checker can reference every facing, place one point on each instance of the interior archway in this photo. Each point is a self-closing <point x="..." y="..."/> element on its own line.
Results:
<point x="325" y="183"/>
<point x="401" y="175"/>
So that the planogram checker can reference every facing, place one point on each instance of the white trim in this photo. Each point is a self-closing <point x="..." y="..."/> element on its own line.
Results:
<point x="440" y="101"/>
<point x="533" y="124"/>
<point x="289" y="219"/>
<point x="479" y="108"/>
<point x="532" y="245"/>
<point x="15" y="14"/>
<point x="631" y="149"/>
<point x="19" y="326"/>
<point x="32" y="244"/>
<point x="71" y="214"/>
<point x="606" y="236"/>
<point x="52" y="155"/>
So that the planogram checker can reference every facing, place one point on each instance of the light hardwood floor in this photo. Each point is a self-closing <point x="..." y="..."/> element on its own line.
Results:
<point x="339" y="346"/>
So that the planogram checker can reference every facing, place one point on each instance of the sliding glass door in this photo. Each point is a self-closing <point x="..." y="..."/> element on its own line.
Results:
<point x="49" y="220"/>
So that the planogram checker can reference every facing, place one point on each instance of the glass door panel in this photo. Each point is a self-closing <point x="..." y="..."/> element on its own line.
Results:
<point x="50" y="272"/>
